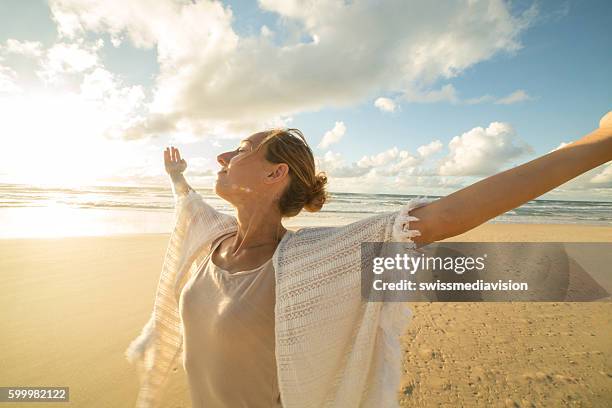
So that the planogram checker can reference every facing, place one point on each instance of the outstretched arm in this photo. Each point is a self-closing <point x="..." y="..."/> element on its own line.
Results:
<point x="175" y="166"/>
<point x="471" y="206"/>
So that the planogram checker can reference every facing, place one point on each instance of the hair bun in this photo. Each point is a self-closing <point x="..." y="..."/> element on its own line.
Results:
<point x="318" y="196"/>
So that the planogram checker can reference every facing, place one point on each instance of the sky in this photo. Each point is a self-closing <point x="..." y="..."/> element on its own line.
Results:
<point x="408" y="97"/>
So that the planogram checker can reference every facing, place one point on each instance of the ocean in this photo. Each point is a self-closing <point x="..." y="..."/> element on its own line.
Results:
<point x="37" y="211"/>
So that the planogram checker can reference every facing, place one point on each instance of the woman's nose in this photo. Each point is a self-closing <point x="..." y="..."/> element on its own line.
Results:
<point x="220" y="160"/>
<point x="224" y="158"/>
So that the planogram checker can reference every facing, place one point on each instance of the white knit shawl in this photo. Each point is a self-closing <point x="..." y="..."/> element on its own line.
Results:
<point x="332" y="348"/>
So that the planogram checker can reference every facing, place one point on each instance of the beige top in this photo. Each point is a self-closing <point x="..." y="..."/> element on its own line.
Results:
<point x="228" y="325"/>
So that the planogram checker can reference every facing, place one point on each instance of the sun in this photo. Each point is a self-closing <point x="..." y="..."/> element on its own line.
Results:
<point x="55" y="138"/>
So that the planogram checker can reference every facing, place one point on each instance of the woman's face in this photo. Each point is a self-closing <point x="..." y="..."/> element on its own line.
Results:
<point x="246" y="176"/>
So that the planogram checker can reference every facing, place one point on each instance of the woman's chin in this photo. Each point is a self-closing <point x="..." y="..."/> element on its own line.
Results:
<point x="218" y="188"/>
<point x="221" y="189"/>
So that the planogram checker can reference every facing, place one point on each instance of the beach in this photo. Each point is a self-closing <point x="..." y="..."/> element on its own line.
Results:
<point x="70" y="307"/>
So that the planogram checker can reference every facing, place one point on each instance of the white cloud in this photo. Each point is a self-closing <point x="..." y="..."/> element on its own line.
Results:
<point x="8" y="81"/>
<point x="335" y="166"/>
<point x="604" y="178"/>
<point x="349" y="171"/>
<point x="390" y="171"/>
<point x="448" y="93"/>
<point x="116" y="40"/>
<point x="224" y="84"/>
<point x="411" y="183"/>
<point x="333" y="136"/>
<point x="430" y="149"/>
<point x="515" y="97"/>
<point x="479" y="99"/>
<point x="66" y="58"/>
<point x="594" y="184"/>
<point x="201" y="167"/>
<point x="329" y="161"/>
<point x="392" y="162"/>
<point x="407" y="164"/>
<point x="385" y="104"/>
<point x="26" y="48"/>
<point x="379" y="159"/>
<point x="561" y="145"/>
<point x="266" y="32"/>
<point x="482" y="152"/>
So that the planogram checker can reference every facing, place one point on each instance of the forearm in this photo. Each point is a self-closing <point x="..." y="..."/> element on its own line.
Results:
<point x="179" y="184"/>
<point x="495" y="195"/>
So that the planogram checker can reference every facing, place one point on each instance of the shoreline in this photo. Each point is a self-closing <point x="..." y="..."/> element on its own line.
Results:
<point x="484" y="232"/>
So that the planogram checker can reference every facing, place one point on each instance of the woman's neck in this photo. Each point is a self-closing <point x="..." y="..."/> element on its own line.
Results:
<point x="258" y="231"/>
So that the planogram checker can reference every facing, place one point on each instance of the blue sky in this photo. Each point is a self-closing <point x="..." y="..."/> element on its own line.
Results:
<point x="506" y="81"/>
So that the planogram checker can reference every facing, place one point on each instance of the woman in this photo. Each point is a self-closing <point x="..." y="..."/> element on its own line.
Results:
<point x="266" y="315"/>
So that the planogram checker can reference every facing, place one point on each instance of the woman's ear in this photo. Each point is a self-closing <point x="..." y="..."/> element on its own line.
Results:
<point x="278" y="172"/>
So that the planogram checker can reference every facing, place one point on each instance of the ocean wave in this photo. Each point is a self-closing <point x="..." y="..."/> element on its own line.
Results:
<point x="341" y="205"/>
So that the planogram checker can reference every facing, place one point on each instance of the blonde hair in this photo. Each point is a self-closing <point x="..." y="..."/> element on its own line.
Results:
<point x="306" y="189"/>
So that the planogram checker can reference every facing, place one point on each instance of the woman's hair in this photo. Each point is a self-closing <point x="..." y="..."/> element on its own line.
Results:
<point x="306" y="188"/>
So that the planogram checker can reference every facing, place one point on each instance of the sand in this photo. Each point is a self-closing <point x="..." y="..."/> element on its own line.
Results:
<point x="70" y="306"/>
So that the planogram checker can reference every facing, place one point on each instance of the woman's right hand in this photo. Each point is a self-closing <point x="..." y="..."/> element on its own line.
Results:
<point x="173" y="162"/>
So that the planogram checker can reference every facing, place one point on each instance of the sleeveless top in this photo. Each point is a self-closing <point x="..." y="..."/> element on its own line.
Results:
<point x="228" y="326"/>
